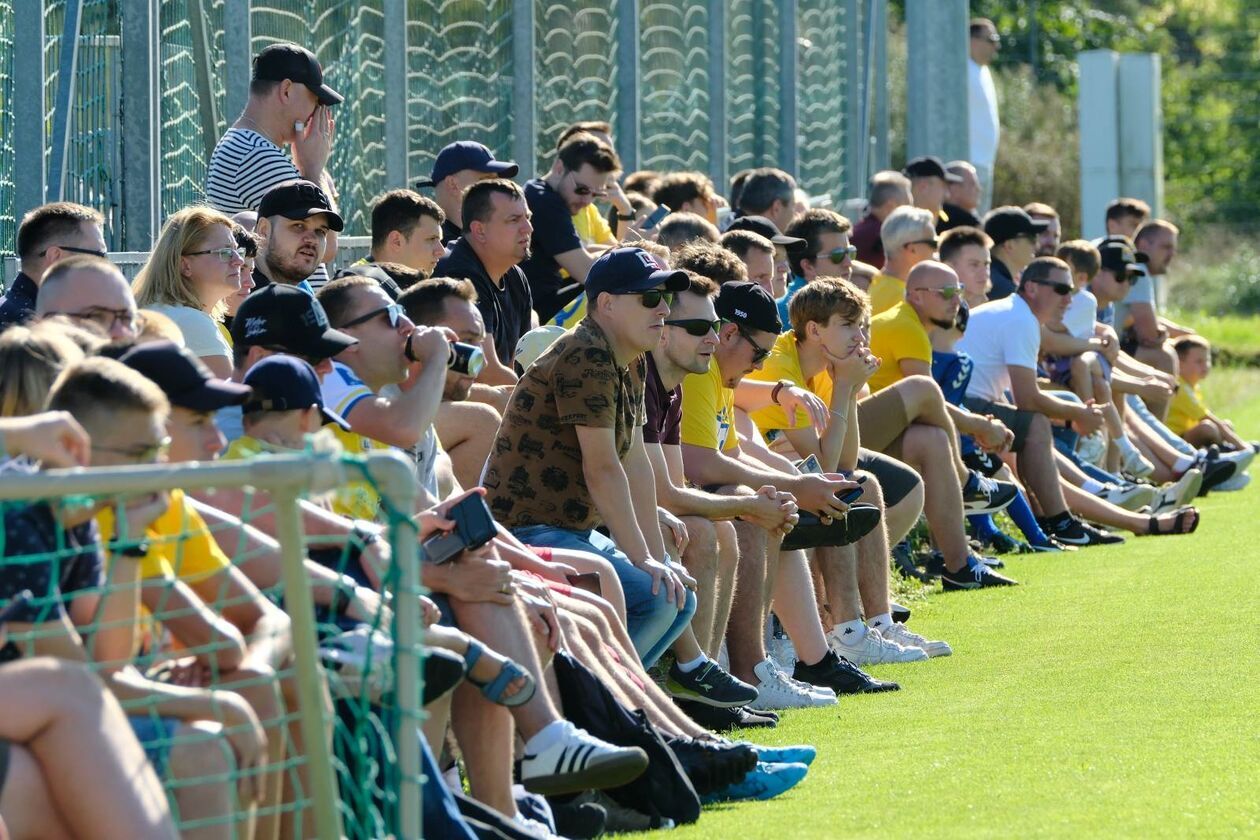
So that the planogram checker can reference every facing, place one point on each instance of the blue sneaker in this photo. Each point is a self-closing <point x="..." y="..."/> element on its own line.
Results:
<point x="797" y="754"/>
<point x="766" y="781"/>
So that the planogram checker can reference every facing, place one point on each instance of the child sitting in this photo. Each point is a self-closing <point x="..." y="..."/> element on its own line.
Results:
<point x="1188" y="415"/>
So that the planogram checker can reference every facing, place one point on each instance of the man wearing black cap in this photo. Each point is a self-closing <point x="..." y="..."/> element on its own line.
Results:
<point x="928" y="182"/>
<point x="767" y="229"/>
<point x="456" y="168"/>
<point x="295" y="222"/>
<point x="289" y="105"/>
<point x="1014" y="234"/>
<point x="570" y="455"/>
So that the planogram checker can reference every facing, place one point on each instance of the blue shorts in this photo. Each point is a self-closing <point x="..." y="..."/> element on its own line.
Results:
<point x="155" y="735"/>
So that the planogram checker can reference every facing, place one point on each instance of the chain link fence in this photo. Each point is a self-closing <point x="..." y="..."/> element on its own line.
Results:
<point x="683" y="70"/>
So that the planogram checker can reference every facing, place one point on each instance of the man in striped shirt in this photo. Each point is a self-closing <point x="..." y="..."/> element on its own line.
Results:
<point x="289" y="104"/>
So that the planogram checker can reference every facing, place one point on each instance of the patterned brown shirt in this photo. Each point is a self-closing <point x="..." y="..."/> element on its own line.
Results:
<point x="534" y="474"/>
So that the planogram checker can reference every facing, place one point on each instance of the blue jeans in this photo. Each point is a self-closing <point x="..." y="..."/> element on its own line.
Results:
<point x="654" y="623"/>
<point x="1134" y="402"/>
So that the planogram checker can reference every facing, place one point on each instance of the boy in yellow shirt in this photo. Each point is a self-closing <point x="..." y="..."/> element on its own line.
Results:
<point x="1189" y="415"/>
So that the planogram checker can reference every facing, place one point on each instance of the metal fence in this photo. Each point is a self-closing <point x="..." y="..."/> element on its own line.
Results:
<point x="134" y="93"/>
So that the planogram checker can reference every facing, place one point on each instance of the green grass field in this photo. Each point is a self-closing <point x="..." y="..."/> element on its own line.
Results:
<point x="1113" y="694"/>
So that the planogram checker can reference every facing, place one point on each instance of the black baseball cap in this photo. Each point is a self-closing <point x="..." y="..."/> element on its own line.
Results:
<point x="1006" y="223"/>
<point x="285" y="383"/>
<point x="630" y="270"/>
<point x="298" y="64"/>
<point x="930" y="166"/>
<point x="186" y="382"/>
<point x="762" y="226"/>
<point x="288" y="318"/>
<point x="465" y="154"/>
<point x="748" y="305"/>
<point x="299" y="199"/>
<point x="1121" y="258"/>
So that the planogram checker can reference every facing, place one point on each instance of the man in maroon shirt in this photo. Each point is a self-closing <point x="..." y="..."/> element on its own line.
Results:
<point x="889" y="190"/>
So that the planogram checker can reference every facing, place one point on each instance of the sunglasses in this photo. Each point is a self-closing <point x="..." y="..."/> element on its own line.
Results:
<point x="839" y="255"/>
<point x="393" y="311"/>
<point x="652" y="297"/>
<point x="948" y="292"/>
<point x="73" y="250"/>
<point x="151" y="452"/>
<point x="225" y="255"/>
<point x="759" y="353"/>
<point x="1063" y="289"/>
<point x="582" y="189"/>
<point x="697" y="327"/>
<point x="933" y="242"/>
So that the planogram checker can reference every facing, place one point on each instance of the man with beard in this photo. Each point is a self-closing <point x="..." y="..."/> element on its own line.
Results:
<point x="293" y="221"/>
<point x="1048" y="240"/>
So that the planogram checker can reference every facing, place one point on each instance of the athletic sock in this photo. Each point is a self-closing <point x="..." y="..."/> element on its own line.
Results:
<point x="545" y="737"/>
<point x="1093" y="487"/>
<point x="880" y="621"/>
<point x="850" y="631"/>
<point x="1182" y="464"/>
<point x="983" y="526"/>
<point x="1020" y="512"/>
<point x="688" y="667"/>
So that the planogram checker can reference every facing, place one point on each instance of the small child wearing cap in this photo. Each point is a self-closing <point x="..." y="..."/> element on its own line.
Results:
<point x="1188" y="414"/>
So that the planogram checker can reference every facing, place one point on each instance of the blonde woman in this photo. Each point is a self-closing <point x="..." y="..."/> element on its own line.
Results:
<point x="195" y="265"/>
<point x="31" y="358"/>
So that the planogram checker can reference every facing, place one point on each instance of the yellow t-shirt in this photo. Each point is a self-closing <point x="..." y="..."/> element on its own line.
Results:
<point x="897" y="334"/>
<point x="1187" y="408"/>
<point x="784" y="362"/>
<point x="592" y="228"/>
<point x="886" y="292"/>
<point x="708" y="407"/>
<point x="180" y="543"/>
<point x="225" y="332"/>
<point x="356" y="499"/>
<point x="571" y="315"/>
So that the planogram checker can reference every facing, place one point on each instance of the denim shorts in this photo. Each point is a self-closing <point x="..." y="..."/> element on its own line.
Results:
<point x="155" y="735"/>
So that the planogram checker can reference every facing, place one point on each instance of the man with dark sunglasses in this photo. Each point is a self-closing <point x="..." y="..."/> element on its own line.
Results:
<point x="1014" y="234"/>
<point x="825" y="252"/>
<point x="909" y="237"/>
<point x="47" y="235"/>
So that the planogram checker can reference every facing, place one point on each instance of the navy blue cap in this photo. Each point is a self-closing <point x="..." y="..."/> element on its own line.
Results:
<point x="629" y="270"/>
<point x="286" y="383"/>
<point x="287" y="318"/>
<point x="748" y="305"/>
<point x="185" y="380"/>
<point x="465" y="154"/>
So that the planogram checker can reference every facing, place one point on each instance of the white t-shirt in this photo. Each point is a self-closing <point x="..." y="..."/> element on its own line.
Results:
<point x="1143" y="291"/>
<point x="983" y="128"/>
<point x="1081" y="314"/>
<point x="202" y="335"/>
<point x="1000" y="333"/>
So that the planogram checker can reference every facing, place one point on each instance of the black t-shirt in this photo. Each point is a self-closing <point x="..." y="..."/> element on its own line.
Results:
<point x="506" y="310"/>
<point x="663" y="408"/>
<point x="18" y="305"/>
<point x="450" y="232"/>
<point x="554" y="233"/>
<point x="958" y="217"/>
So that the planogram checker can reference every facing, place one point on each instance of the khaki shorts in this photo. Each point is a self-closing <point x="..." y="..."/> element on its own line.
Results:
<point x="882" y="420"/>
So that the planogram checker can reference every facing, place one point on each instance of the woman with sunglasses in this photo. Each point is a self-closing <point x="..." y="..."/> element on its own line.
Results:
<point x="195" y="266"/>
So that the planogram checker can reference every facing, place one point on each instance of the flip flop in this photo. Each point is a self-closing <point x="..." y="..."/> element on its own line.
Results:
<point x="508" y="673"/>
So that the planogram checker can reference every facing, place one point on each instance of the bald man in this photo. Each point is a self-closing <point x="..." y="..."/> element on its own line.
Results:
<point x="91" y="291"/>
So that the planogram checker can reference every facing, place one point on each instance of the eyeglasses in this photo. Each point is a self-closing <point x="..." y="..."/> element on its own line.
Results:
<point x="947" y="292"/>
<point x="933" y="242"/>
<point x="148" y="452"/>
<point x="582" y="189"/>
<point x="393" y="311"/>
<point x="652" y="297"/>
<point x="839" y="255"/>
<point x="73" y="250"/>
<point x="105" y="317"/>
<point x="759" y="353"/>
<point x="697" y="327"/>
<point x="225" y="255"/>
<point x="1063" y="289"/>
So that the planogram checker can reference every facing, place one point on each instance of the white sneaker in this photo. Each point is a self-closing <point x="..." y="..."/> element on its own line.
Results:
<point x="577" y="761"/>
<point x="904" y="636"/>
<point x="1133" y="462"/>
<point x="1181" y="492"/>
<point x="782" y="652"/>
<point x="873" y="649"/>
<point x="1129" y="497"/>
<point x="1241" y="459"/>
<point x="776" y="690"/>
<point x="1237" y="481"/>
<point x="1092" y="448"/>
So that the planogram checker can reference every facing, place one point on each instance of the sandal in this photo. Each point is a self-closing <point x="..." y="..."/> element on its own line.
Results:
<point x="509" y="672"/>
<point x="1179" y="524"/>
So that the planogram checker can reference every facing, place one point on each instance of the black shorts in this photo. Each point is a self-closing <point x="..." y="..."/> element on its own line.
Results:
<point x="896" y="479"/>
<point x="4" y="762"/>
<point x="1015" y="419"/>
<point x="983" y="462"/>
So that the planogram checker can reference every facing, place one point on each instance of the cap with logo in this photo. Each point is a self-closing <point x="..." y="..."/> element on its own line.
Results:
<point x="299" y="200"/>
<point x="630" y="270"/>
<point x="1006" y="223"/>
<point x="287" y="318"/>
<point x="748" y="305"/>
<point x="1121" y="258"/>
<point x="297" y="64"/>
<point x="465" y="154"/>
<point x="762" y="226"/>
<point x="185" y="380"/>
<point x="284" y="383"/>
<point x="930" y="166"/>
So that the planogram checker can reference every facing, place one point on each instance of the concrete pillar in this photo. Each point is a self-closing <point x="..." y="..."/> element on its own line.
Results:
<point x="1100" y="137"/>
<point x="29" y="127"/>
<point x="141" y="153"/>
<point x="238" y="57"/>
<point x="523" y="87"/>
<point x="788" y="133"/>
<point x="396" y="93"/>
<point x="628" y="70"/>
<point x="718" y="170"/>
<point x="936" y="78"/>
<point x="1141" y="129"/>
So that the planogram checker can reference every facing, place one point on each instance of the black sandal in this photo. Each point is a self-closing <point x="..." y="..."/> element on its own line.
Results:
<point x="1184" y="515"/>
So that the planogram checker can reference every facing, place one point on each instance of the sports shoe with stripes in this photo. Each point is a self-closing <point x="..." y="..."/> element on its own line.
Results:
<point x="577" y="761"/>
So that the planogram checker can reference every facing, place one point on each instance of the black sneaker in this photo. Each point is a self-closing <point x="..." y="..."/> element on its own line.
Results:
<point x="903" y="562"/>
<point x="975" y="575"/>
<point x="715" y="719"/>
<point x="936" y="563"/>
<point x="709" y="684"/>
<point x="988" y="495"/>
<point x="712" y="766"/>
<point x="1072" y="531"/>
<point x="841" y="676"/>
<point x="579" y="820"/>
<point x="1215" y="472"/>
<point x="899" y="613"/>
<point x="1002" y="543"/>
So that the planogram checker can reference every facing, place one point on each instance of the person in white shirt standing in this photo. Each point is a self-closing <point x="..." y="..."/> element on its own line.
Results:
<point x="982" y="106"/>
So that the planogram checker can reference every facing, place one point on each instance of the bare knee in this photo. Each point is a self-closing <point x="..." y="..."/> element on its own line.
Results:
<point x="919" y="393"/>
<point x="926" y="443"/>
<point x="701" y="553"/>
<point x="199" y="751"/>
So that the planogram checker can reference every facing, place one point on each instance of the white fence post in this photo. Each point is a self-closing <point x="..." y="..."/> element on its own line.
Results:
<point x="1100" y="138"/>
<point x="1141" y="130"/>
<point x="936" y="78"/>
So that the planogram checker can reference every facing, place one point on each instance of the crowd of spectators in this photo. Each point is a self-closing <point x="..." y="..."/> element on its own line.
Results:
<point x="705" y="427"/>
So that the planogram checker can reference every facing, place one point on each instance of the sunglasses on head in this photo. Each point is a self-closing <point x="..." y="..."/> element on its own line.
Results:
<point x="652" y="297"/>
<point x="393" y="311"/>
<point x="697" y="327"/>
<point x="1064" y="289"/>
<point x="839" y="255"/>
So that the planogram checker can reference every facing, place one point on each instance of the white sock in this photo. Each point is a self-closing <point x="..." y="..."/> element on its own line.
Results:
<point x="547" y="736"/>
<point x="1092" y="486"/>
<point x="688" y="667"/>
<point x="880" y="621"/>
<point x="1124" y="445"/>
<point x="1182" y="464"/>
<point x="850" y="632"/>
